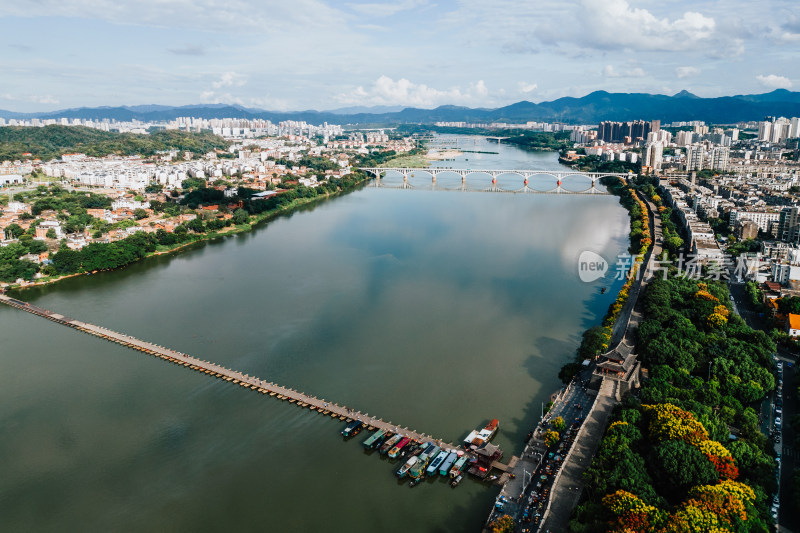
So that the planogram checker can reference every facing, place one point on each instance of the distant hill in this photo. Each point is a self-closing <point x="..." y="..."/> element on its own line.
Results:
<point x="51" y="141"/>
<point x="589" y="109"/>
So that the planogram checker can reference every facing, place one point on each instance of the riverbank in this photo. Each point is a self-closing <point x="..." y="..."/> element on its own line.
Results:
<point x="195" y="238"/>
<point x="578" y="443"/>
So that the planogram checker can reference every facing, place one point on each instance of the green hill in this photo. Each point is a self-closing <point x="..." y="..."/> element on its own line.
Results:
<point x="51" y="141"/>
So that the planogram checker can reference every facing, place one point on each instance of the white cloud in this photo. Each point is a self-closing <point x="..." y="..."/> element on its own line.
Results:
<point x="635" y="72"/>
<point x="386" y="9"/>
<point x="226" y="79"/>
<point x="269" y="103"/>
<point x="615" y="24"/>
<point x="47" y="99"/>
<point x="230" y="79"/>
<point x="526" y="88"/>
<point x="386" y="91"/>
<point x="686" y="72"/>
<point x="211" y="97"/>
<point x="36" y="99"/>
<point x="773" y="81"/>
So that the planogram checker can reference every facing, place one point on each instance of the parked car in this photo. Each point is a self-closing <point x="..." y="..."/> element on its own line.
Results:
<point x="778" y="422"/>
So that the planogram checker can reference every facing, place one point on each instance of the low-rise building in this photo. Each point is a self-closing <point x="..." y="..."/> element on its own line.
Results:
<point x="793" y="325"/>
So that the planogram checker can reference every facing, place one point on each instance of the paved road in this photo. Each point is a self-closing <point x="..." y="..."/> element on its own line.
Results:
<point x="535" y="470"/>
<point x="788" y="448"/>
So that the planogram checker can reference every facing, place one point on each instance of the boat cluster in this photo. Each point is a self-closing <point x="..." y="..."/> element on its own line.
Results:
<point x="421" y="459"/>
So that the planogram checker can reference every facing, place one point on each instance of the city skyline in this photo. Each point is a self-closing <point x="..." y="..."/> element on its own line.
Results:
<point x="314" y="54"/>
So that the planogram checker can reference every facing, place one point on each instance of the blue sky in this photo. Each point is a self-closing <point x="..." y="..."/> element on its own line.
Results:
<point x="318" y="54"/>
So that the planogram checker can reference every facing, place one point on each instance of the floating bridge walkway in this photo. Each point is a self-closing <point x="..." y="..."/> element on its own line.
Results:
<point x="298" y="398"/>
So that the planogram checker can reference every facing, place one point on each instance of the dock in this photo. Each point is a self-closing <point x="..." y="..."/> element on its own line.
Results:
<point x="252" y="383"/>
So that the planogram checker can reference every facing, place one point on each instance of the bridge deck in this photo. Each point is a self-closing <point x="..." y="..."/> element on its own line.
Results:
<point x="298" y="398"/>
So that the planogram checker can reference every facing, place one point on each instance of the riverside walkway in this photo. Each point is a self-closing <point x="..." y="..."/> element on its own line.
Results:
<point x="255" y="384"/>
<point x="569" y="483"/>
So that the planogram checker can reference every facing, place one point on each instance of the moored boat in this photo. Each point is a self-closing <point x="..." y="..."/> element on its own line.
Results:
<point x="447" y="463"/>
<point x="414" y="459"/>
<point x="478" y="438"/>
<point x="394" y="452"/>
<point x="386" y="446"/>
<point x="458" y="467"/>
<point x="353" y="428"/>
<point x="436" y="463"/>
<point x="374" y="439"/>
<point x="417" y="471"/>
<point x="456" y="481"/>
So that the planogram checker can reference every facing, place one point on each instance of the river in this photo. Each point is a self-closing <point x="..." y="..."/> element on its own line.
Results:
<point x="435" y="310"/>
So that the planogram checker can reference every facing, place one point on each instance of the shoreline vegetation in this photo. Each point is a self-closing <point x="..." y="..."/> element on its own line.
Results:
<point x="421" y="160"/>
<point x="685" y="452"/>
<point x="139" y="246"/>
<point x="595" y="340"/>
<point x="52" y="141"/>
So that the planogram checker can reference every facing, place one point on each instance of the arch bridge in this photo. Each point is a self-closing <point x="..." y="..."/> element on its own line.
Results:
<point x="521" y="181"/>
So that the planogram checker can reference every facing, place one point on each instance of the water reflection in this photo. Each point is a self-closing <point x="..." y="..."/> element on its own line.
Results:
<point x="435" y="310"/>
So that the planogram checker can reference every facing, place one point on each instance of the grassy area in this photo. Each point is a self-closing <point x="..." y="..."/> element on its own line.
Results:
<point x="407" y="161"/>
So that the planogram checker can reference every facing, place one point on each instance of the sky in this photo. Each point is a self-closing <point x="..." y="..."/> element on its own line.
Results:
<point x="319" y="54"/>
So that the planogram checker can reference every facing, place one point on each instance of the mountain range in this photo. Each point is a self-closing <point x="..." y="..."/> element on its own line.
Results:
<point x="589" y="109"/>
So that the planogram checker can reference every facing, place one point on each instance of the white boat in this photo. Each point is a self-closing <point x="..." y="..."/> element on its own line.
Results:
<point x="480" y="437"/>
<point x="407" y="466"/>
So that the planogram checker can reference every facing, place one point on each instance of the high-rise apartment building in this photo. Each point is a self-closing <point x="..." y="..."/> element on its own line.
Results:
<point x="789" y="224"/>
<point x="720" y="157"/>
<point x="653" y="155"/>
<point x="616" y="132"/>
<point x="695" y="156"/>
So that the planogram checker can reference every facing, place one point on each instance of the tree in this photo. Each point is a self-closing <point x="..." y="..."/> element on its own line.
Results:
<point x="551" y="437"/>
<point x="558" y="424"/>
<point x="67" y="261"/>
<point x="504" y="524"/>
<point x="196" y="225"/>
<point x="139" y="214"/>
<point x="240" y="217"/>
<point x="676" y="466"/>
<point x="180" y="232"/>
<point x="568" y="371"/>
<point x="594" y="342"/>
<point x="51" y="234"/>
<point x="14" y="231"/>
<point x="789" y="305"/>
<point x="36" y="247"/>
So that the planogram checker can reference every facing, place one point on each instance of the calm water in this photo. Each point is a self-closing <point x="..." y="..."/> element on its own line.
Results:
<point x="435" y="310"/>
